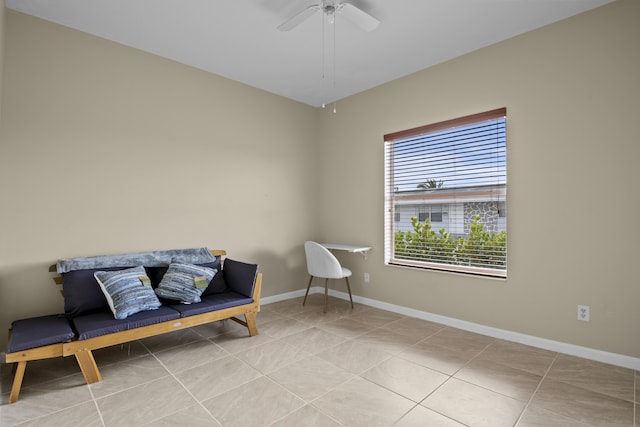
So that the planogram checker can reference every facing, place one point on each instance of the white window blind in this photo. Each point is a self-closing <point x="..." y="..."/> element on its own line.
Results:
<point x="453" y="175"/>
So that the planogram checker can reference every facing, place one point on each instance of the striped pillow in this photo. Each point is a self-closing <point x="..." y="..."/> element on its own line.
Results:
<point x="185" y="282"/>
<point x="126" y="292"/>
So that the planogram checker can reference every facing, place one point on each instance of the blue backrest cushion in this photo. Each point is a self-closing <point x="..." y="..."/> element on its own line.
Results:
<point x="82" y="293"/>
<point x="217" y="285"/>
<point x="155" y="274"/>
<point x="240" y="277"/>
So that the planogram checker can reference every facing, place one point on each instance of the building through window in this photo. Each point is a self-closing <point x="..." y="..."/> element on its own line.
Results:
<point x="445" y="195"/>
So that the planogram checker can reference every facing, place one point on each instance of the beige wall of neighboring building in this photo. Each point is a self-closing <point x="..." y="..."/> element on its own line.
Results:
<point x="108" y="149"/>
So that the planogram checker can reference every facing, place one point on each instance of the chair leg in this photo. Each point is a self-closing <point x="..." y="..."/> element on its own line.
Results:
<point x="306" y="294"/>
<point x="349" y="289"/>
<point x="326" y="294"/>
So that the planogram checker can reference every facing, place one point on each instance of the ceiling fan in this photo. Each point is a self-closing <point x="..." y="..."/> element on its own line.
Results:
<point x="331" y="8"/>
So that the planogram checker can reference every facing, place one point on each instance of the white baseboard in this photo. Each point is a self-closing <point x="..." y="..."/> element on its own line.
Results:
<point x="557" y="346"/>
<point x="288" y="295"/>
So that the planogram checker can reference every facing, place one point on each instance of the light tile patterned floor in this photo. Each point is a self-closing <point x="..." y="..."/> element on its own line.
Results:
<point x="360" y="367"/>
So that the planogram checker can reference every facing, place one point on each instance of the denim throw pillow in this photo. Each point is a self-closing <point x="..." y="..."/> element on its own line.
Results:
<point x="185" y="282"/>
<point x="127" y="291"/>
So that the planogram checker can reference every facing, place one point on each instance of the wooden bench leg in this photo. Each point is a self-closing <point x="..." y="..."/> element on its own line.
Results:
<point x="251" y="323"/>
<point x="88" y="366"/>
<point x="17" y="381"/>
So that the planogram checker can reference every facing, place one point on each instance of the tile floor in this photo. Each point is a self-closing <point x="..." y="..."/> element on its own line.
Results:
<point x="360" y="367"/>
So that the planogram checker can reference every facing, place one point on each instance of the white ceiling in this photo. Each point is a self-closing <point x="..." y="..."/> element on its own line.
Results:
<point x="238" y="39"/>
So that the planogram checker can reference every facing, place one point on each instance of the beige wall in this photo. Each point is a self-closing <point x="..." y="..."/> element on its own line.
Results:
<point x="571" y="90"/>
<point x="106" y="149"/>
<point x="88" y="123"/>
<point x="2" y="13"/>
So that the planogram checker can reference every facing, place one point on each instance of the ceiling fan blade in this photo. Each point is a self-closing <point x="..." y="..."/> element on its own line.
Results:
<point x="358" y="16"/>
<point x="297" y="19"/>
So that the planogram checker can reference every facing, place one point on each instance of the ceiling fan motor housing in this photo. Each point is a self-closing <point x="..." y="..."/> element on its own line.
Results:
<point x="329" y="9"/>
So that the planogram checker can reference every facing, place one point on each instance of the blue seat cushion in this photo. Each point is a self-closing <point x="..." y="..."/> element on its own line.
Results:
<point x="103" y="323"/>
<point x="211" y="303"/>
<point x="39" y="331"/>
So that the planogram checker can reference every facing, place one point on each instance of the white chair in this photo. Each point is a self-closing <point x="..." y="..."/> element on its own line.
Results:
<point x="322" y="263"/>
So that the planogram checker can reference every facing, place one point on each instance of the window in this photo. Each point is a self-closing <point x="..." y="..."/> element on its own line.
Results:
<point x="431" y="212"/>
<point x="450" y="178"/>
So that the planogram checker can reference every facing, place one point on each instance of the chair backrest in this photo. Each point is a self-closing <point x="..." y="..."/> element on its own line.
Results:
<point x="321" y="262"/>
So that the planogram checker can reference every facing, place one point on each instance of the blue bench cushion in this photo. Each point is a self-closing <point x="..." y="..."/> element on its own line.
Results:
<point x="102" y="323"/>
<point x="39" y="331"/>
<point x="212" y="303"/>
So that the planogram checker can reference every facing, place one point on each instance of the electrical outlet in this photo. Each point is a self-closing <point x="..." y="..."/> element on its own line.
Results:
<point x="366" y="277"/>
<point x="584" y="313"/>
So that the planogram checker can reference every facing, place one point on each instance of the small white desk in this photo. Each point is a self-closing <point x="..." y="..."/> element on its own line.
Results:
<point x="348" y="248"/>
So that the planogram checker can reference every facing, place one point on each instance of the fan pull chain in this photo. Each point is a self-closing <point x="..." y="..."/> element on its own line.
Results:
<point x="334" y="64"/>
<point x="330" y="18"/>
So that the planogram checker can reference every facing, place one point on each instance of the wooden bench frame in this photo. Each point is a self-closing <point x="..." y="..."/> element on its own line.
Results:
<point x="82" y="349"/>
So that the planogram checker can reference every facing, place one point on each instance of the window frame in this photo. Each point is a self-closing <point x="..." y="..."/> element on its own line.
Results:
<point x="390" y="186"/>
